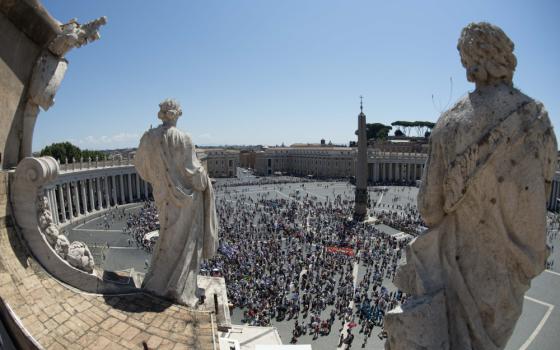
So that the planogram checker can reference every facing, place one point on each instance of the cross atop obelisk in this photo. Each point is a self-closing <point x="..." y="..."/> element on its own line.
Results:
<point x="361" y="105"/>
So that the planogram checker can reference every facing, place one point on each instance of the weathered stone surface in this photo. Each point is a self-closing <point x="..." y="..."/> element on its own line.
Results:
<point x="61" y="318"/>
<point x="418" y="324"/>
<point x="61" y="246"/>
<point x="491" y="163"/>
<point x="32" y="67"/>
<point x="80" y="257"/>
<point x="74" y="34"/>
<point x="184" y="199"/>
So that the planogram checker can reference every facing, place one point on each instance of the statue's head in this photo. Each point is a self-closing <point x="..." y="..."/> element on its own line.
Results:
<point x="487" y="54"/>
<point x="169" y="111"/>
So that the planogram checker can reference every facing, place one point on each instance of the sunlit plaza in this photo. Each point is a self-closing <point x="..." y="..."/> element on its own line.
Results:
<point x="250" y="175"/>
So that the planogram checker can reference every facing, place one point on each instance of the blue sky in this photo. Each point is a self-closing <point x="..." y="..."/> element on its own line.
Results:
<point x="267" y="72"/>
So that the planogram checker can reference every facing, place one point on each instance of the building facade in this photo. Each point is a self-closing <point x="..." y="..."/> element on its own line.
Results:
<point x="221" y="162"/>
<point x="247" y="159"/>
<point x="339" y="162"/>
<point x="321" y="162"/>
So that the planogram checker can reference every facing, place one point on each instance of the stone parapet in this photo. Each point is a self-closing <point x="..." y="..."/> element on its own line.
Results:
<point x="51" y="315"/>
<point x="71" y="263"/>
<point x="5" y="219"/>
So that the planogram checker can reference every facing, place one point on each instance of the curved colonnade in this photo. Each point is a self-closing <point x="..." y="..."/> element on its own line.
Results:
<point x="395" y="166"/>
<point x="82" y="189"/>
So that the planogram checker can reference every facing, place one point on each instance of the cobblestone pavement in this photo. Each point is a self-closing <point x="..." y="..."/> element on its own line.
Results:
<point x="61" y="318"/>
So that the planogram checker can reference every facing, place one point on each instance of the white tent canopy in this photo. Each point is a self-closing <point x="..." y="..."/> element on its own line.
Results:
<point x="151" y="235"/>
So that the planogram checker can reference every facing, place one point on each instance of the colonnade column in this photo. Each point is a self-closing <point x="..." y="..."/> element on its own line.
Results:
<point x="123" y="201"/>
<point x="51" y="200"/>
<point x="408" y="166"/>
<point x="137" y="186"/>
<point x="408" y="171"/>
<point x="84" y="196"/>
<point x="114" y="189"/>
<point x="129" y="177"/>
<point x="106" y="187"/>
<point x="55" y="206"/>
<point x="76" y="198"/>
<point x="91" y="198"/>
<point x="69" y="199"/>
<point x="61" y="200"/>
<point x="99" y="196"/>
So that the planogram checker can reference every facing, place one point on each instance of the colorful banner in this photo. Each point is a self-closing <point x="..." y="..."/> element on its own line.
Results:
<point x="342" y="250"/>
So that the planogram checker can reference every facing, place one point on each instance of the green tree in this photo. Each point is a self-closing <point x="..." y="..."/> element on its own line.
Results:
<point x="377" y="131"/>
<point x="421" y="127"/>
<point x="64" y="151"/>
<point x="404" y="125"/>
<point x="93" y="154"/>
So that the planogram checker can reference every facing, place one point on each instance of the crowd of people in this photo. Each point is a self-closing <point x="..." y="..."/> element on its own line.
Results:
<point x="139" y="225"/>
<point x="109" y="217"/>
<point x="258" y="181"/>
<point x="299" y="259"/>
<point x="293" y="257"/>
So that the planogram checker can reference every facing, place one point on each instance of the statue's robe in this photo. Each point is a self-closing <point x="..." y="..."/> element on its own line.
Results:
<point x="184" y="199"/>
<point x="483" y="197"/>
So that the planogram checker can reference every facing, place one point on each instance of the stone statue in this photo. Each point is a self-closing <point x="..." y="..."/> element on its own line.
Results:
<point x="483" y="197"/>
<point x="184" y="199"/>
<point x="74" y="34"/>
<point x="76" y="253"/>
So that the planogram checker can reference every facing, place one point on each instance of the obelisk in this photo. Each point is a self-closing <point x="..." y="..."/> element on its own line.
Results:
<point x="361" y="200"/>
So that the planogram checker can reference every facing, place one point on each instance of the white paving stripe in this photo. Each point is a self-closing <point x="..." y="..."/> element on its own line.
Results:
<point x="380" y="198"/>
<point x="541" y="323"/>
<point x="552" y="272"/>
<point x="350" y="305"/>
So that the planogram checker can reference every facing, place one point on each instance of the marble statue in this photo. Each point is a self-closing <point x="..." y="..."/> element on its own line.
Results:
<point x="76" y="253"/>
<point x="79" y="256"/>
<point x="491" y="161"/>
<point x="74" y="34"/>
<point x="184" y="199"/>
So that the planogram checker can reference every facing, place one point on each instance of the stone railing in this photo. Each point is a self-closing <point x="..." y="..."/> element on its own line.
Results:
<point x="84" y="164"/>
<point x="397" y="157"/>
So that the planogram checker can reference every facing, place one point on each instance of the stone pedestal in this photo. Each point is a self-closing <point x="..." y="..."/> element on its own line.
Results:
<point x="211" y="286"/>
<point x="420" y="323"/>
<point x="360" y="210"/>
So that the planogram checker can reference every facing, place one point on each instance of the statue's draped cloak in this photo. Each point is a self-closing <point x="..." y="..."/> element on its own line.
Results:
<point x="184" y="199"/>
<point x="484" y="200"/>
